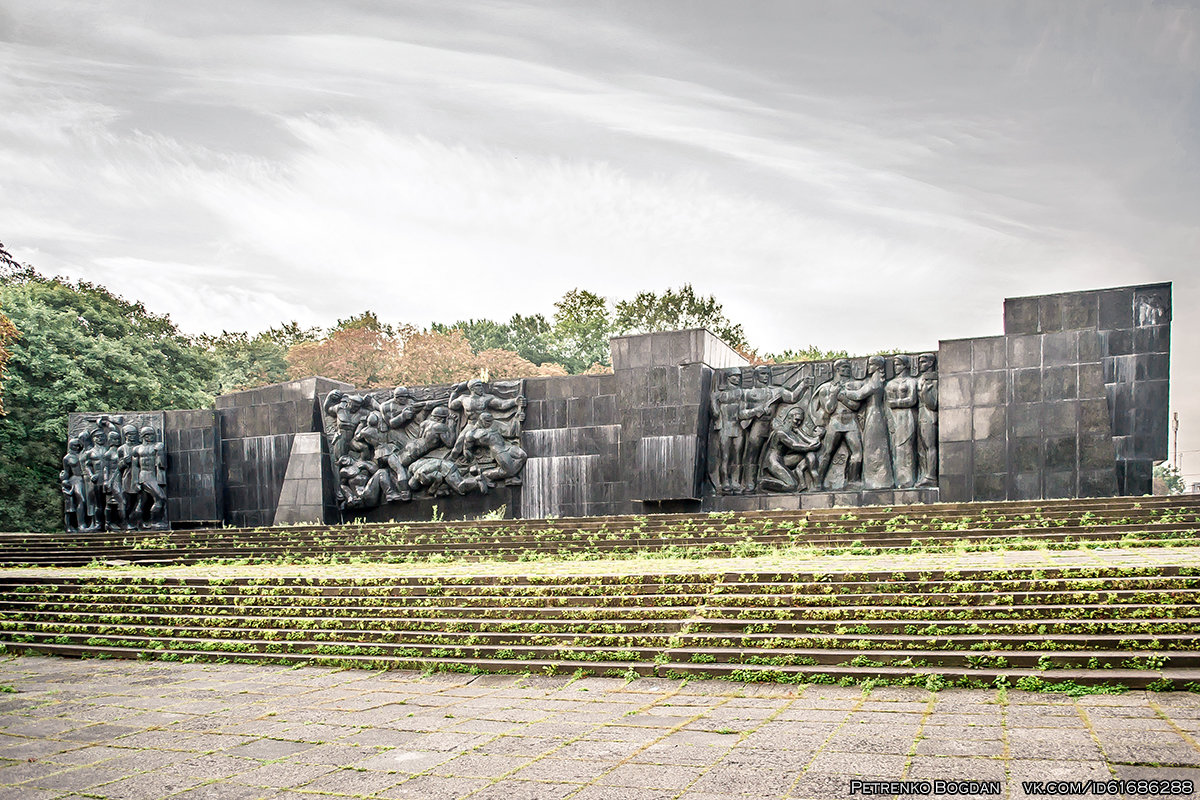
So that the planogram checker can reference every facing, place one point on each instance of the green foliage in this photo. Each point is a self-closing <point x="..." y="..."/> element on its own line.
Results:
<point x="810" y="353"/>
<point x="577" y="338"/>
<point x="80" y="348"/>
<point x="675" y="310"/>
<point x="1171" y="477"/>
<point x="364" y="321"/>
<point x="242" y="362"/>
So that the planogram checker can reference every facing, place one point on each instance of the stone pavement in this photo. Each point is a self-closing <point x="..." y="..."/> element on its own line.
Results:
<point x="131" y="730"/>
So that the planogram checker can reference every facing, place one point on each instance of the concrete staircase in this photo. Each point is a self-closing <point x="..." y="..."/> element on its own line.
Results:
<point x="1134" y="621"/>
<point x="1131" y="521"/>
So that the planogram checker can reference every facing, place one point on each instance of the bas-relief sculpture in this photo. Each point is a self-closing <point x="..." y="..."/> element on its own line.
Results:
<point x="818" y="426"/>
<point x="114" y="475"/>
<point x="393" y="445"/>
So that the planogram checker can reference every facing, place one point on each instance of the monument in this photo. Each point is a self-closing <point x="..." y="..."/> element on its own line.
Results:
<point x="1070" y="401"/>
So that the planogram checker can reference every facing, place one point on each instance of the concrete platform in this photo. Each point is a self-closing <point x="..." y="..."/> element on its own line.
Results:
<point x="145" y="731"/>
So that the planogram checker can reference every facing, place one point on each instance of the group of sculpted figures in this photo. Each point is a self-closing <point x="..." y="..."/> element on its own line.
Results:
<point x="114" y="477"/>
<point x="776" y="439"/>
<point x="390" y="446"/>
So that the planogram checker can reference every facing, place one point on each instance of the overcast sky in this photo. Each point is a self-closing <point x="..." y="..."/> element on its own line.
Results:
<point x="864" y="175"/>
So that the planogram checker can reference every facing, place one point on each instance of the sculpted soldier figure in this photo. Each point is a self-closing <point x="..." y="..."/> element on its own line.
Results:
<point x="435" y="432"/>
<point x="840" y="400"/>
<point x="439" y="475"/>
<point x="362" y="484"/>
<point x="789" y="457"/>
<point x="927" y="420"/>
<point x="128" y="478"/>
<point x="400" y="410"/>
<point x="94" y="461"/>
<point x="476" y="401"/>
<point x="75" y="512"/>
<point x="877" y="460"/>
<point x="114" y="492"/>
<point x="900" y="395"/>
<point x="374" y="442"/>
<point x="350" y="411"/>
<point x="757" y="417"/>
<point x="149" y="464"/>
<point x="728" y="414"/>
<point x="509" y="458"/>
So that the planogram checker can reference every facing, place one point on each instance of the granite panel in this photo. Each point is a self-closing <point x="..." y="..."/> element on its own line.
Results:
<point x="1021" y="315"/>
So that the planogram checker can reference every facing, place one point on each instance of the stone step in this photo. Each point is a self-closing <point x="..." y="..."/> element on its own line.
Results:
<point x="939" y="676"/>
<point x="725" y="602"/>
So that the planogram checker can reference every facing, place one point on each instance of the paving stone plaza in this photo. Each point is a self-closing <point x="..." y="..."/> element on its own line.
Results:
<point x="135" y="731"/>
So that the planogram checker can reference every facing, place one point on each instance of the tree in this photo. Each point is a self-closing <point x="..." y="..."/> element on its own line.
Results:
<point x="810" y="353"/>
<point x="8" y="332"/>
<point x="530" y="337"/>
<point x="1171" y="477"/>
<point x="362" y="355"/>
<point x="582" y="327"/>
<point x="243" y="362"/>
<point x="677" y="310"/>
<point x="81" y="349"/>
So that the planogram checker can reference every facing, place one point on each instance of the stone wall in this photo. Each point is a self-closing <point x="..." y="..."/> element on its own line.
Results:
<point x="1070" y="402"/>
<point x="257" y="428"/>
<point x="193" y="440"/>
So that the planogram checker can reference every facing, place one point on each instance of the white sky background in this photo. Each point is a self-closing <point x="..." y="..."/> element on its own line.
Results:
<point x="864" y="175"/>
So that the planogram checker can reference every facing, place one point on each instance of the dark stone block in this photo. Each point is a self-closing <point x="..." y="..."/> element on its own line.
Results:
<point x="1021" y="315"/>
<point x="991" y="487"/>
<point x="1026" y="486"/>
<point x="953" y="489"/>
<point x="1060" y="348"/>
<point x="1098" y="483"/>
<point x="954" y="425"/>
<point x="579" y="412"/>
<point x="1050" y="318"/>
<point x="1061" y="484"/>
<point x="1060" y="383"/>
<point x="1080" y="310"/>
<point x="1139" y="477"/>
<point x="1153" y="339"/>
<point x="990" y="423"/>
<point x="954" y="356"/>
<point x="1152" y="366"/>
<point x="1025" y="419"/>
<point x="1090" y="347"/>
<point x="1118" y="343"/>
<point x="1091" y="381"/>
<point x="1096" y="452"/>
<point x="1026" y="385"/>
<point x="1025" y="351"/>
<point x="990" y="456"/>
<point x="1151" y="395"/>
<point x="846" y="499"/>
<point x="988" y="353"/>
<point x="604" y="410"/>
<point x="534" y="415"/>
<point x="1026" y="455"/>
<point x="1094" y="418"/>
<point x="954" y="458"/>
<point x="989" y="388"/>
<point x="954" y="391"/>
<point x="1116" y="309"/>
<point x="1060" y="419"/>
<point x="1060" y="453"/>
